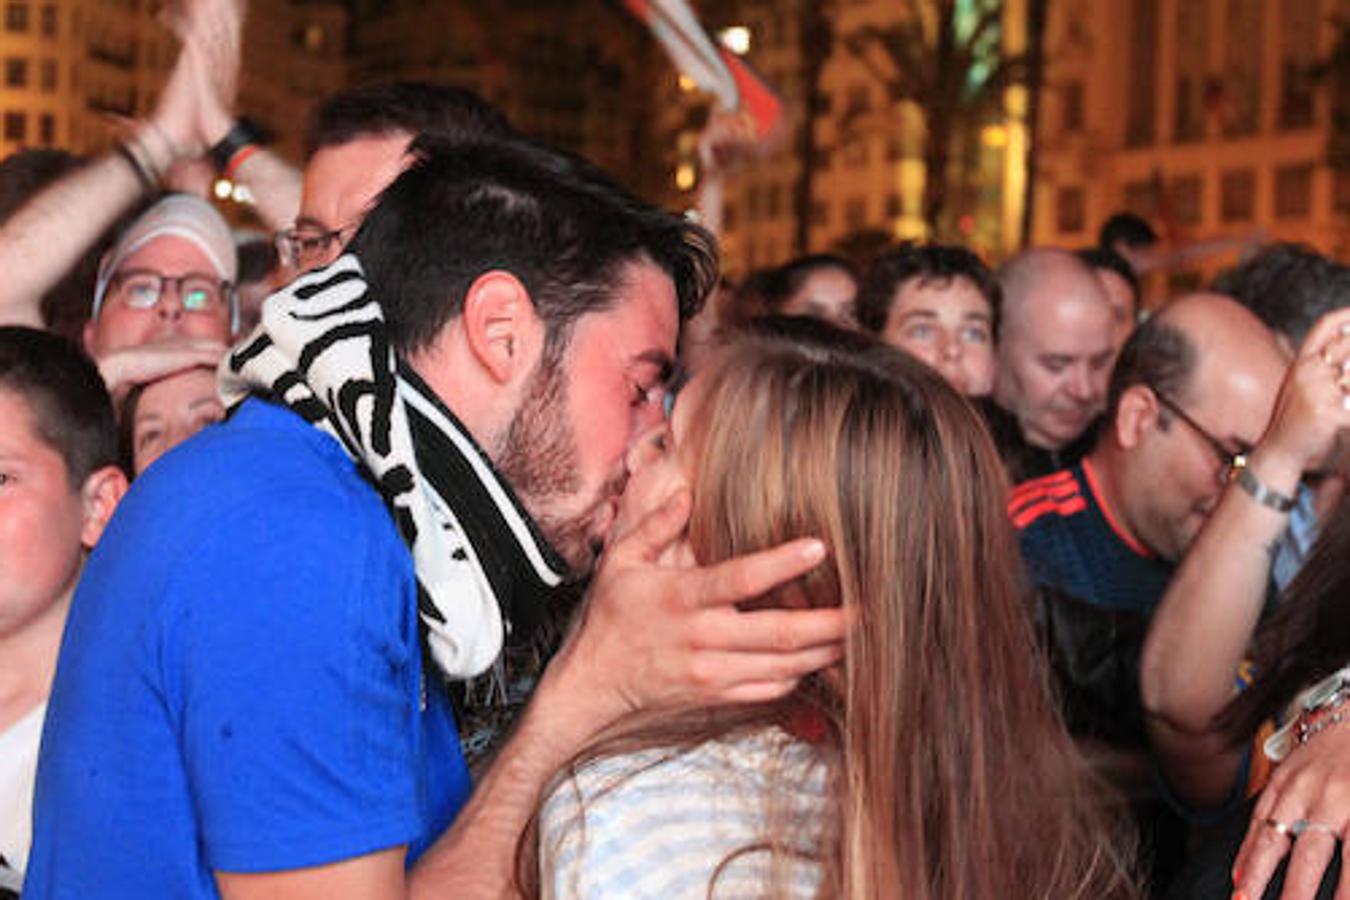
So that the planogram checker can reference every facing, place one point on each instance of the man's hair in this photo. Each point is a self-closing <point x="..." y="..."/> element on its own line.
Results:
<point x="70" y="406"/>
<point x="1109" y="260"/>
<point x="413" y="107"/>
<point x="1158" y="355"/>
<point x="557" y="223"/>
<point x="1128" y="229"/>
<point x="1288" y="286"/>
<point x="934" y="264"/>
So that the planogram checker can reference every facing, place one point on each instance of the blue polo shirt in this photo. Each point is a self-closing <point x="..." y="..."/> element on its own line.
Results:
<point x="1072" y="542"/>
<point x="240" y="686"/>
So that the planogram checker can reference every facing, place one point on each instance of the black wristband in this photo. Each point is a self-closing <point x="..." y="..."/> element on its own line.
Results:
<point x="241" y="135"/>
<point x="142" y="174"/>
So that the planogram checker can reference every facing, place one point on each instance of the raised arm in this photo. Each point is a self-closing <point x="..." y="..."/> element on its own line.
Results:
<point x="214" y="29"/>
<point x="1206" y="619"/>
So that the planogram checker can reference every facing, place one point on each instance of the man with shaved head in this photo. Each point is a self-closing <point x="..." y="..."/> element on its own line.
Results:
<point x="1193" y="390"/>
<point x="1054" y="357"/>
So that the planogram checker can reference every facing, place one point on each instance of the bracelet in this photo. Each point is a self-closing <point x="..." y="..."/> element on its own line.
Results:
<point x="139" y="168"/>
<point x="241" y="136"/>
<point x="238" y="160"/>
<point x="1263" y="495"/>
<point x="1325" y="704"/>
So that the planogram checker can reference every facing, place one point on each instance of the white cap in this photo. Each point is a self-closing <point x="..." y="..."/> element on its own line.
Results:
<point x="177" y="215"/>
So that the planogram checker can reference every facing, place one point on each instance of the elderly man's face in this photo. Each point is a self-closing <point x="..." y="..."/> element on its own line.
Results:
<point x="128" y="318"/>
<point x="1054" y="365"/>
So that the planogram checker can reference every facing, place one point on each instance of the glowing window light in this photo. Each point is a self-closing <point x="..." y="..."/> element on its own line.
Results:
<point x="684" y="176"/>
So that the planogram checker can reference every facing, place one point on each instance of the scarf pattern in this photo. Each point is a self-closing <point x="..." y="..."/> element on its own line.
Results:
<point x="322" y="350"/>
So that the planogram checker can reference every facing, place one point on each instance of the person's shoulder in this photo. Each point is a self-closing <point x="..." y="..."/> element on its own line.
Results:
<point x="1046" y="502"/>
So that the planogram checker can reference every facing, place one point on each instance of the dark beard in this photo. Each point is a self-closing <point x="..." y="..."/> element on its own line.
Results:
<point x="538" y="458"/>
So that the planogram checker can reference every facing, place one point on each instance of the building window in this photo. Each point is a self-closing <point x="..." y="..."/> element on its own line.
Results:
<point x="1070" y="210"/>
<point x="49" y="20"/>
<point x="774" y="193"/>
<point x="1141" y="198"/>
<point x="1192" y="52"/>
<point x="47" y="75"/>
<point x="854" y="153"/>
<point x="894" y="208"/>
<point x="729" y="216"/>
<point x="1240" y="91"/>
<point x="859" y="100"/>
<point x="752" y="203"/>
<point x="820" y="213"/>
<point x="1143" y="67"/>
<point x="1340" y="198"/>
<point x="16" y="16"/>
<point x="1073" y="107"/>
<point x="1297" y="61"/>
<point x="1238" y="196"/>
<point x="855" y="213"/>
<point x="16" y="127"/>
<point x="47" y="129"/>
<point x="1293" y="191"/>
<point x="1188" y="199"/>
<point x="16" y="72"/>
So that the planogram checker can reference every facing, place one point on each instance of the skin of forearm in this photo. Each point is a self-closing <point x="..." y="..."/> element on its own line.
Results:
<point x="1206" y="618"/>
<point x="47" y="236"/>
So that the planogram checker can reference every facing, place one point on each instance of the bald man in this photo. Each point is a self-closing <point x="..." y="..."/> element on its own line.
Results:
<point x="1056" y="346"/>
<point x="1193" y="390"/>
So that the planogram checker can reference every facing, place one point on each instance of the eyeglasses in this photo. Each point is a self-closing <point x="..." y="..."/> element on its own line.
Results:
<point x="308" y="247"/>
<point x="197" y="294"/>
<point x="1232" y="461"/>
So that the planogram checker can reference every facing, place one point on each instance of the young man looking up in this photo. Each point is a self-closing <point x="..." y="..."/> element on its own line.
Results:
<point x="274" y="717"/>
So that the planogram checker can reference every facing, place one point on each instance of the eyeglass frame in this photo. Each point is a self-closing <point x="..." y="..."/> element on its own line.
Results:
<point x="1233" y="462"/>
<point x="325" y="236"/>
<point x="228" y="291"/>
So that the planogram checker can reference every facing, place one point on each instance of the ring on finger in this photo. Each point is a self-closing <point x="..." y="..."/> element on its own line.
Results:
<point x="1299" y="827"/>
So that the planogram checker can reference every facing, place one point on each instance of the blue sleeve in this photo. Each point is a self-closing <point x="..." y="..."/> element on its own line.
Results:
<point x="289" y="663"/>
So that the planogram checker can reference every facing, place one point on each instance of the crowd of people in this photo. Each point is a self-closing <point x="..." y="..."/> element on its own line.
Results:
<point x="506" y="549"/>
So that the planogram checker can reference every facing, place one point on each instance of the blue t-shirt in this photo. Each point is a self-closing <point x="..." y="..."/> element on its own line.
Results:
<point x="1070" y="542"/>
<point x="240" y="682"/>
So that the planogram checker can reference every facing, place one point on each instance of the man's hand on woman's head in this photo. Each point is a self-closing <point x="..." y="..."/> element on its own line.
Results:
<point x="656" y="635"/>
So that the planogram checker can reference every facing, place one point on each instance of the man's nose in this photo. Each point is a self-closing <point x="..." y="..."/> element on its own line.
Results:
<point x="1079" y="386"/>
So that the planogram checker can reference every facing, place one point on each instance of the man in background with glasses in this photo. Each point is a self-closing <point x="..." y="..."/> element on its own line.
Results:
<point x="1189" y="396"/>
<point x="164" y="300"/>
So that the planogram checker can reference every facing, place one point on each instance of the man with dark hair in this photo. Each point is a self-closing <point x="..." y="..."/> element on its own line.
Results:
<point x="1128" y="235"/>
<point x="1289" y="287"/>
<point x="357" y="144"/>
<point x="938" y="303"/>
<point x="1121" y="284"/>
<point x="413" y="476"/>
<point x="59" y="484"/>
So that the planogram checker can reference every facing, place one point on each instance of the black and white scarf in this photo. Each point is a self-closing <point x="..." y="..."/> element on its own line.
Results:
<point x="484" y="571"/>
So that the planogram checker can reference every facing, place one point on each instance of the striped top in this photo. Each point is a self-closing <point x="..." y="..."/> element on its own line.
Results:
<point x="1073" y="542"/>
<point x="668" y="823"/>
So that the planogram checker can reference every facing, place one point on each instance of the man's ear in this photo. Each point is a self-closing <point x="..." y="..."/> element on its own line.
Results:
<point x="501" y="326"/>
<point x="101" y="493"/>
<point x="1136" y="414"/>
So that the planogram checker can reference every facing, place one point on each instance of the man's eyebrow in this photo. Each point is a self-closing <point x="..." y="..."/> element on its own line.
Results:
<point x="659" y="358"/>
<point x="918" y="313"/>
<point x="310" y="222"/>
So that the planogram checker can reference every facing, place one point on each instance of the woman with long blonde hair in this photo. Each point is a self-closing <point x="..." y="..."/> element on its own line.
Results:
<point x="929" y="763"/>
